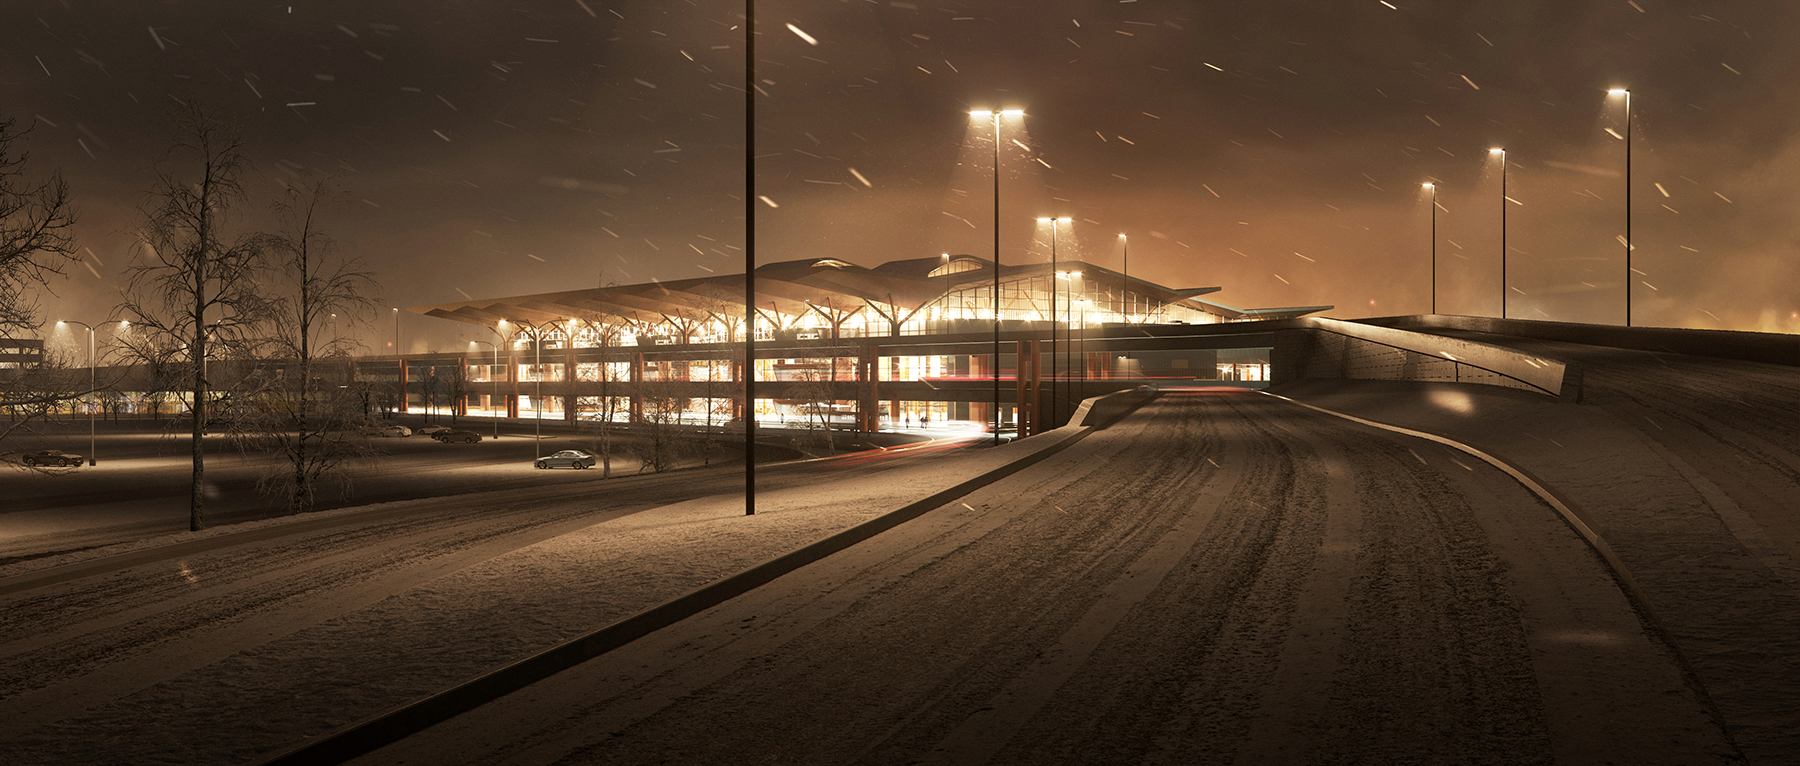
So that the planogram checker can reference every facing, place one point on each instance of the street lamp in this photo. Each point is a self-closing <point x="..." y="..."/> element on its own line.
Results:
<point x="1433" y="188"/>
<point x="1053" y="277"/>
<point x="90" y="391"/>
<point x="399" y="368"/>
<point x="1087" y="305"/>
<point x="1502" y="153"/>
<point x="496" y="350"/>
<point x="978" y="113"/>
<point x="1125" y="294"/>
<point x="1626" y="92"/>
<point x="537" y="399"/>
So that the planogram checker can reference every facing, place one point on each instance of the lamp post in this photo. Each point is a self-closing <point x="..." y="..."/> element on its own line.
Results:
<point x="1626" y="92"/>
<point x="399" y="368"/>
<point x="537" y="398"/>
<point x="496" y="350"/>
<point x="996" y="365"/>
<point x="1433" y="188"/>
<point x="90" y="392"/>
<point x="1053" y="277"/>
<point x="1502" y="153"/>
<point x="1086" y="305"/>
<point x="1125" y="294"/>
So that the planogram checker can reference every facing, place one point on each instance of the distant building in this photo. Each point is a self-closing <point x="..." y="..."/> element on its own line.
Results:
<point x="864" y="348"/>
<point x="20" y="353"/>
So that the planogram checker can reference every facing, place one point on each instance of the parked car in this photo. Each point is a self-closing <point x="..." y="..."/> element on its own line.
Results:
<point x="51" y="457"/>
<point x="572" y="458"/>
<point x="431" y="430"/>
<point x="457" y="437"/>
<point x="392" y="429"/>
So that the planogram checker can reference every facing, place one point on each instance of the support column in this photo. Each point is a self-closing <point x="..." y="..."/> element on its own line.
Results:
<point x="462" y="378"/>
<point x="512" y="382"/>
<point x="637" y="387"/>
<point x="569" y="381"/>
<point x="400" y="386"/>
<point x="868" y="393"/>
<point x="1025" y="382"/>
<point x="737" y="385"/>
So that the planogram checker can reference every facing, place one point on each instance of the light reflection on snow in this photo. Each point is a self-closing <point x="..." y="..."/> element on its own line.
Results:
<point x="1458" y="402"/>
<point x="1590" y="637"/>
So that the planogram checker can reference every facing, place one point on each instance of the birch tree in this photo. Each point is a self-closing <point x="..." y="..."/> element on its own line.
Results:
<point x="36" y="221"/>
<point x="306" y="419"/>
<point x="193" y="281"/>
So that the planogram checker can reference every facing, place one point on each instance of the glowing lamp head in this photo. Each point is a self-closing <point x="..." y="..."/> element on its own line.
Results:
<point x="1496" y="150"/>
<point x="1428" y="185"/>
<point x="1064" y="220"/>
<point x="1617" y="92"/>
<point x="1012" y="112"/>
<point x="981" y="113"/>
<point x="1043" y="220"/>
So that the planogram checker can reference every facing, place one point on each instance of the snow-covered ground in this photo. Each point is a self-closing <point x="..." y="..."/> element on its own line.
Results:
<point x="215" y="656"/>
<point x="1690" y="468"/>
<point x="1218" y="578"/>
<point x="1287" y="590"/>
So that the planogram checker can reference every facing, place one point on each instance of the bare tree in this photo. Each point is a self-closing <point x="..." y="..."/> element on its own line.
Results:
<point x="611" y="386"/>
<point x="193" y="285"/>
<point x="36" y="219"/>
<point x="307" y="419"/>
<point x="664" y="443"/>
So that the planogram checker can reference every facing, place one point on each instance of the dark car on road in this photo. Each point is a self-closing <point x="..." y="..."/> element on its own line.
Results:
<point x="50" y="457"/>
<point x="572" y="458"/>
<point x="457" y="437"/>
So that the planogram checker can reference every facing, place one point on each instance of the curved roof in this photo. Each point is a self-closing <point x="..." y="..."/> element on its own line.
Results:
<point x="790" y="286"/>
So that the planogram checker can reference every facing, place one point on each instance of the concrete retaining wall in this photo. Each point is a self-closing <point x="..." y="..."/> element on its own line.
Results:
<point x="1773" y="348"/>
<point x="1330" y="348"/>
<point x="1102" y="411"/>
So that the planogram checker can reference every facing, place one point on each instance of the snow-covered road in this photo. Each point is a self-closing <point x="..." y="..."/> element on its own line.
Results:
<point x="1218" y="578"/>
<point x="212" y="647"/>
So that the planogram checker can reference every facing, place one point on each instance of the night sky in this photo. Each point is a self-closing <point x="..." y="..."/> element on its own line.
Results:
<point x="1275" y="149"/>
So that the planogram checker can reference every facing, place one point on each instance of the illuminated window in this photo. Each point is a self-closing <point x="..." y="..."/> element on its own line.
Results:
<point x="956" y="266"/>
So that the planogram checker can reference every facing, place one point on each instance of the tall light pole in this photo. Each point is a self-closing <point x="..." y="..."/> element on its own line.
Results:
<point x="978" y="113"/>
<point x="537" y="398"/>
<point x="399" y="368"/>
<point x="1626" y="92"/>
<point x="1503" y="288"/>
<point x="1125" y="294"/>
<point x="1433" y="187"/>
<point x="1087" y="305"/>
<point x="496" y="349"/>
<point x="1053" y="277"/>
<point x="90" y="391"/>
<point x="750" y="200"/>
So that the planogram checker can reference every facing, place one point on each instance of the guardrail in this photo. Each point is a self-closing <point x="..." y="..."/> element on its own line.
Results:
<point x="1330" y="348"/>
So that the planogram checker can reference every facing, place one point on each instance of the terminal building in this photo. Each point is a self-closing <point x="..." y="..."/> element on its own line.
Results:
<point x="907" y="343"/>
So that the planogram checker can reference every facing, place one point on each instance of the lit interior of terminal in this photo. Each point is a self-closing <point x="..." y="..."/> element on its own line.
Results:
<point x="907" y="344"/>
